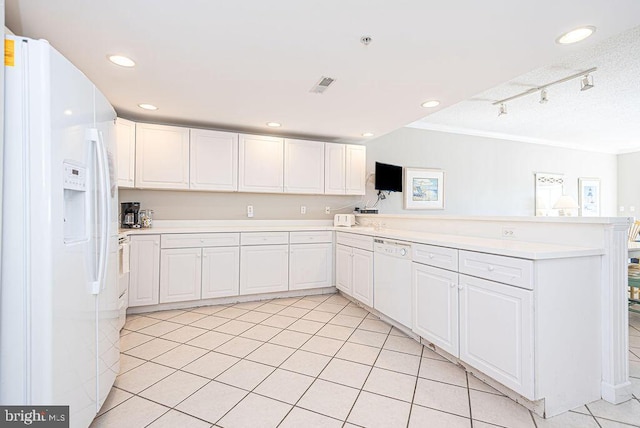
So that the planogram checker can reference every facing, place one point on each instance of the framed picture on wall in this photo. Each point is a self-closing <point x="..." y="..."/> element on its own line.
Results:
<point x="589" y="196"/>
<point x="423" y="189"/>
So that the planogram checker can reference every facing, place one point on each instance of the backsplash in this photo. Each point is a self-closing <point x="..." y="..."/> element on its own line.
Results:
<point x="188" y="205"/>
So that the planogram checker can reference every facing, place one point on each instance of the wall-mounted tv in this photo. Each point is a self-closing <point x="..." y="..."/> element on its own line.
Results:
<point x="388" y="177"/>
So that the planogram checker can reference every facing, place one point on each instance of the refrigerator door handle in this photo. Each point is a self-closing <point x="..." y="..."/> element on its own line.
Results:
<point x="104" y="204"/>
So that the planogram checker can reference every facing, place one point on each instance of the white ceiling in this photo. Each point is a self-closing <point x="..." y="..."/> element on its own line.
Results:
<point x="239" y="64"/>
<point x="605" y="118"/>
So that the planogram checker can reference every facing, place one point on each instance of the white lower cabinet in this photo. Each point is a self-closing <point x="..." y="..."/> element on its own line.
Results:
<point x="344" y="269"/>
<point x="354" y="273"/>
<point x="199" y="266"/>
<point x="310" y="266"/>
<point x="496" y="332"/>
<point x="180" y="274"/>
<point x="435" y="310"/>
<point x="220" y="272"/>
<point x="362" y="278"/>
<point x="264" y="269"/>
<point x="145" y="270"/>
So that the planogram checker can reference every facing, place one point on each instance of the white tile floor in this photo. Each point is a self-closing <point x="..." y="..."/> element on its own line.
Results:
<point x="316" y="361"/>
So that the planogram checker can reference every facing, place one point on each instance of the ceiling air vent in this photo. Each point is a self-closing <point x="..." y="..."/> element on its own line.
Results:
<point x="322" y="85"/>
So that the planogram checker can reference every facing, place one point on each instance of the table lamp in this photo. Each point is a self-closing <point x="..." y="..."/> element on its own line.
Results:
<point x="565" y="204"/>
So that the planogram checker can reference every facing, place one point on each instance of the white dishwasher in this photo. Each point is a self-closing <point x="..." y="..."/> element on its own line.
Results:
<point x="392" y="279"/>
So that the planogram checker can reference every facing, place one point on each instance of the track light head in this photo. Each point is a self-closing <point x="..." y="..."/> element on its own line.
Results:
<point x="586" y="82"/>
<point x="503" y="109"/>
<point x="543" y="96"/>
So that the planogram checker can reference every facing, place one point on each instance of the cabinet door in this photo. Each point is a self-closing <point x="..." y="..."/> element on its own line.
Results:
<point x="162" y="157"/>
<point x="435" y="310"/>
<point x="362" y="276"/>
<point x="310" y="266"/>
<point x="334" y="169"/>
<point x="220" y="272"/>
<point x="214" y="160"/>
<point x="303" y="166"/>
<point x="126" y="145"/>
<point x="355" y="169"/>
<point x="180" y="274"/>
<point x="264" y="269"/>
<point x="496" y="332"/>
<point x="344" y="269"/>
<point x="261" y="164"/>
<point x="144" y="279"/>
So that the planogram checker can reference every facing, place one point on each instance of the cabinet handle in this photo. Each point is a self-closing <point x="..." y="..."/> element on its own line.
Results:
<point x="430" y="255"/>
<point x="490" y="268"/>
<point x="452" y="285"/>
<point x="460" y="287"/>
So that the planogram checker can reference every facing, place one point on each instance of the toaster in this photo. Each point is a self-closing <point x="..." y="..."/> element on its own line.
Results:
<point x="344" y="220"/>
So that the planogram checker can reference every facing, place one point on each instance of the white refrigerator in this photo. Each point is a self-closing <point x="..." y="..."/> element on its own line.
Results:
<point x="59" y="336"/>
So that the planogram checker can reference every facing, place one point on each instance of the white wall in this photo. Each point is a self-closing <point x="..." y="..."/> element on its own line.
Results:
<point x="183" y="205"/>
<point x="486" y="176"/>
<point x="629" y="184"/>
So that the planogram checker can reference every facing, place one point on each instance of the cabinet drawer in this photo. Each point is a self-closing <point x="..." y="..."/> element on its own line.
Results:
<point x="508" y="270"/>
<point x="264" y="238"/>
<point x="442" y="257"/>
<point x="310" y="237"/>
<point x="353" y="240"/>
<point x="191" y="240"/>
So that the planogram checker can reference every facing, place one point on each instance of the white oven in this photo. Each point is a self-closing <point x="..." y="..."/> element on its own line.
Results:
<point x="123" y="277"/>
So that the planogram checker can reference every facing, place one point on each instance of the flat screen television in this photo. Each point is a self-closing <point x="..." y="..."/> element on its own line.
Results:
<point x="388" y="177"/>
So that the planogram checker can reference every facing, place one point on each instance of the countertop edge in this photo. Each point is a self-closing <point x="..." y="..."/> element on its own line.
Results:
<point x="518" y="249"/>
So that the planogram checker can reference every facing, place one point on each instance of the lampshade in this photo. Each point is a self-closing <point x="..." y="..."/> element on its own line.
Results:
<point x="565" y="202"/>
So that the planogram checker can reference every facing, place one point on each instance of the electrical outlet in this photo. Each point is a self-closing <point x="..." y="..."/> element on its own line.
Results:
<point x="632" y="209"/>
<point x="327" y="210"/>
<point x="621" y="208"/>
<point x="303" y="209"/>
<point x="249" y="210"/>
<point x="508" y="232"/>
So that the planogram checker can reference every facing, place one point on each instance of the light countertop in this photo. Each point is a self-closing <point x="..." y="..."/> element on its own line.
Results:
<point x="505" y="247"/>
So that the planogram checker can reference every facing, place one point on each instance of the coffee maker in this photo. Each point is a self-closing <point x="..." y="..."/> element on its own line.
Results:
<point x="129" y="212"/>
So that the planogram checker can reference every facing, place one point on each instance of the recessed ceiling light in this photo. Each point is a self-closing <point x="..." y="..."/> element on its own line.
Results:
<point x="431" y="103"/>
<point x="274" y="124"/>
<point x="122" y="61"/>
<point x="147" y="106"/>
<point x="367" y="134"/>
<point x="576" y="35"/>
<point x="68" y="112"/>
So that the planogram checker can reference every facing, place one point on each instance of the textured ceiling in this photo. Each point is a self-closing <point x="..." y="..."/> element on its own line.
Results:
<point x="605" y="118"/>
<point x="240" y="64"/>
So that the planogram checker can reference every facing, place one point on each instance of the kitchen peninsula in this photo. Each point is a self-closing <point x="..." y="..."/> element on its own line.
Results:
<point x="540" y="314"/>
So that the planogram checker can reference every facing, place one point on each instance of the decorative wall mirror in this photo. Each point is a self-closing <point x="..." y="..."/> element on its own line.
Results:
<point x="549" y="188"/>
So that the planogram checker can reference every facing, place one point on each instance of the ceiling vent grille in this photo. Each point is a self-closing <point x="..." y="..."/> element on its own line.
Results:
<point x="322" y="85"/>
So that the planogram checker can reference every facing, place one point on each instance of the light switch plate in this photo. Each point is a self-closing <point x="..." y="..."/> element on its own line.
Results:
<point x="249" y="210"/>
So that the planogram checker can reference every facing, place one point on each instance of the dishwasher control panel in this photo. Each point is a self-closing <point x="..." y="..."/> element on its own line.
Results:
<point x="396" y="249"/>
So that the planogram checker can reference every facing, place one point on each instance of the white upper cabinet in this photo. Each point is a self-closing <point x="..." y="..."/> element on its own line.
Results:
<point x="162" y="157"/>
<point x="214" y="160"/>
<point x="355" y="169"/>
<point x="344" y="169"/>
<point x="126" y="144"/>
<point x="261" y="164"/>
<point x="303" y="166"/>
<point x="334" y="169"/>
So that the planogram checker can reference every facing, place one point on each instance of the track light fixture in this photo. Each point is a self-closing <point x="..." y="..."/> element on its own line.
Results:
<point x="586" y="82"/>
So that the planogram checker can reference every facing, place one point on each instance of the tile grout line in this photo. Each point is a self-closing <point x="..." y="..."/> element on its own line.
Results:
<point x="279" y="366"/>
<point x="250" y="392"/>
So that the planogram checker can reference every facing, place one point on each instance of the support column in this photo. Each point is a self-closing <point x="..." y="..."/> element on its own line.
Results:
<point x="616" y="387"/>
